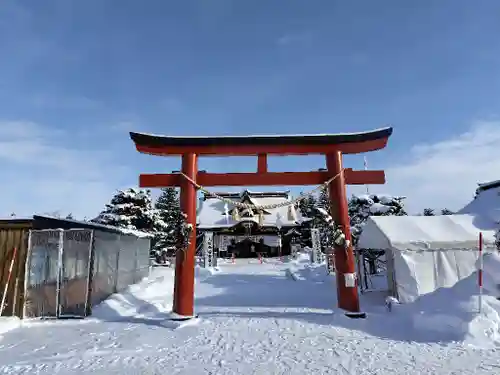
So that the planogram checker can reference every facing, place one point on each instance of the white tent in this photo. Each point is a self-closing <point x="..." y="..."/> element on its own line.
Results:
<point x="424" y="253"/>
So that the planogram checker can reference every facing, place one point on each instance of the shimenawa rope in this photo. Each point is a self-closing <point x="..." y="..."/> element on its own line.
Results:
<point x="262" y="207"/>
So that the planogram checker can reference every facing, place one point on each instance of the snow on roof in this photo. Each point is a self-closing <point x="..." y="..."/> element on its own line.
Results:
<point x="79" y="224"/>
<point x="211" y="212"/>
<point x="488" y="185"/>
<point x="16" y="218"/>
<point x="486" y="203"/>
<point x="426" y="232"/>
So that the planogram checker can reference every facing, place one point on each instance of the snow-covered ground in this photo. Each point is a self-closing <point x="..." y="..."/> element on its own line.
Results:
<point x="254" y="319"/>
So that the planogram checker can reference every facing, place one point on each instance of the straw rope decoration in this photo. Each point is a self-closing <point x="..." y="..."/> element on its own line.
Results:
<point x="263" y="207"/>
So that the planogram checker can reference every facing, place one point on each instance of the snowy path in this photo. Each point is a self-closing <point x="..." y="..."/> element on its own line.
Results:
<point x="254" y="321"/>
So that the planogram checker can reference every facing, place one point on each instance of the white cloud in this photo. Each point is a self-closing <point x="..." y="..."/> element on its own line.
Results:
<point x="43" y="170"/>
<point x="446" y="173"/>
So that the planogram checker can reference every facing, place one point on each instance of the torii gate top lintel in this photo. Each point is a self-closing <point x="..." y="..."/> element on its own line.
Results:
<point x="347" y="143"/>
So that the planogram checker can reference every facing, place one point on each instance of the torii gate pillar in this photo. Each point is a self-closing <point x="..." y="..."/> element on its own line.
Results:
<point x="183" y="306"/>
<point x="348" y="298"/>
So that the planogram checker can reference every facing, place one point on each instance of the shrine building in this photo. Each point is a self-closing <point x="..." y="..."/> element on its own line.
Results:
<point x="247" y="232"/>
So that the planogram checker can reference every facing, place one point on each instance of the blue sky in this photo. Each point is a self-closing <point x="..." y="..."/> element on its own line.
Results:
<point x="76" y="76"/>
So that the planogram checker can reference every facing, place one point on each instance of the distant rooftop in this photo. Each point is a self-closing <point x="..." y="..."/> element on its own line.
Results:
<point x="487" y="185"/>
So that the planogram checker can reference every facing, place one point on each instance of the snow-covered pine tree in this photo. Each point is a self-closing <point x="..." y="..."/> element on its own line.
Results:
<point x="326" y="230"/>
<point x="131" y="209"/>
<point x="363" y="206"/>
<point x="307" y="208"/>
<point x="183" y="232"/>
<point x="330" y="233"/>
<point x="429" y="212"/>
<point x="324" y="199"/>
<point x="307" y="205"/>
<point x="168" y="208"/>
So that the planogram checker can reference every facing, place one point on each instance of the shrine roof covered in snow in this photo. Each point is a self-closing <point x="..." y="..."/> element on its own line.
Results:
<point x="426" y="232"/>
<point x="212" y="211"/>
<point x="348" y="143"/>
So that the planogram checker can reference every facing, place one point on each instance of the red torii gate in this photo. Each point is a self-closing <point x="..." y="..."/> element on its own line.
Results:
<point x="330" y="145"/>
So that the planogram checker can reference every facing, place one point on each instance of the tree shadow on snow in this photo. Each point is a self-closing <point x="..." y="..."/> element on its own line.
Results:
<point x="437" y="317"/>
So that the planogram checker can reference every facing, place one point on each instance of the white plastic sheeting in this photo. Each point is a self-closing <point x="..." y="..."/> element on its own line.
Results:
<point x="425" y="253"/>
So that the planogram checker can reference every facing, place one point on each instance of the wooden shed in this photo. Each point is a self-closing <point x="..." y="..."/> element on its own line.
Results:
<point x="13" y="240"/>
<point x="117" y="258"/>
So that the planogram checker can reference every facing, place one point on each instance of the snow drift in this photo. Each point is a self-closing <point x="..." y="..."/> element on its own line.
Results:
<point x="452" y="314"/>
<point x="301" y="269"/>
<point x="486" y="203"/>
<point x="9" y="323"/>
<point x="150" y="296"/>
<point x="203" y="273"/>
<point x="448" y="314"/>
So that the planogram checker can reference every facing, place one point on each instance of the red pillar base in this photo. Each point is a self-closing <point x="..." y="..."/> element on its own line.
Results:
<point x="356" y="315"/>
<point x="181" y="318"/>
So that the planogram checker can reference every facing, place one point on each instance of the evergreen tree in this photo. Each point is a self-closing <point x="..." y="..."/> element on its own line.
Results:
<point x="168" y="208"/>
<point x="307" y="206"/>
<point x="428" y="212"/>
<point x="324" y="220"/>
<point x="362" y="206"/>
<point x="324" y="199"/>
<point x="131" y="209"/>
<point x="446" y="211"/>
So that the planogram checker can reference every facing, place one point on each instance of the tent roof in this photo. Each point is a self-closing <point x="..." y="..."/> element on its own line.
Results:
<point x="426" y="232"/>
